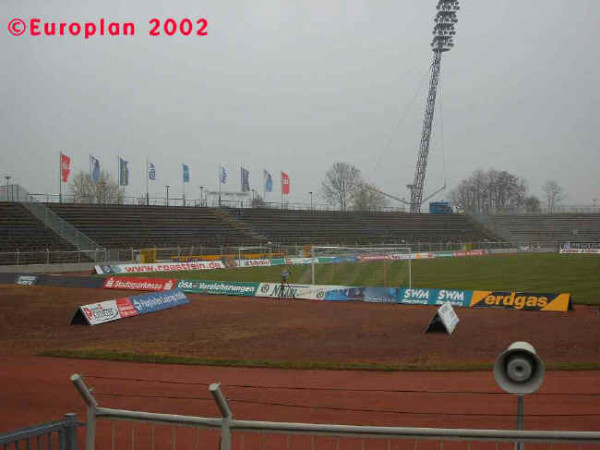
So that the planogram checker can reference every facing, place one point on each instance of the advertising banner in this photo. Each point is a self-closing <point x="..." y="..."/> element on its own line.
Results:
<point x="159" y="267"/>
<point x="435" y="297"/>
<point x="121" y="308"/>
<point x="254" y="263"/>
<point x="444" y="320"/>
<point x="462" y="253"/>
<point x="101" y="312"/>
<point x="27" y="280"/>
<point x="346" y="293"/>
<point x="293" y="291"/>
<point x="521" y="301"/>
<point x="298" y="260"/>
<point x="218" y="287"/>
<point x="148" y="303"/>
<point x="580" y="251"/>
<point x="140" y="284"/>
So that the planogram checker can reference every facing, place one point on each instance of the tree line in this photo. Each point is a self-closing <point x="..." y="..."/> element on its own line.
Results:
<point x="494" y="191"/>
<point x="345" y="188"/>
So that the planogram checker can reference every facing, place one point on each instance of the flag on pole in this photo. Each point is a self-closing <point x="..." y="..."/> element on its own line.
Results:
<point x="285" y="183"/>
<point x="65" y="167"/>
<point x="223" y="175"/>
<point x="245" y="180"/>
<point x="123" y="172"/>
<point x="94" y="169"/>
<point x="151" y="172"/>
<point x="186" y="173"/>
<point x="268" y="181"/>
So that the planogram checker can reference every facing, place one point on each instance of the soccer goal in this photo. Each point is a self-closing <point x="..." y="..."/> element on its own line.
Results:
<point x="385" y="265"/>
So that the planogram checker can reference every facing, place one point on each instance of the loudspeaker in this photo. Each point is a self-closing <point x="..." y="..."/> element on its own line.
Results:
<point x="519" y="370"/>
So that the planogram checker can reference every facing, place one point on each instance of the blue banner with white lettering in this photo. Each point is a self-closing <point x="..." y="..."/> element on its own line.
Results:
<point x="158" y="300"/>
<point x="435" y="297"/>
<point x="400" y="295"/>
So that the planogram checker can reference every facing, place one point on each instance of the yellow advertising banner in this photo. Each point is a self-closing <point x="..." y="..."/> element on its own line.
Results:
<point x="521" y="300"/>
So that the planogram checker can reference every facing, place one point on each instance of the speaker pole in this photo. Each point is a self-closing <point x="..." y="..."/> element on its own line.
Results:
<point x="519" y="445"/>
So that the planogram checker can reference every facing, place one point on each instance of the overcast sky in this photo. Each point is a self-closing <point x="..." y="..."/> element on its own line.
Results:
<point x="297" y="86"/>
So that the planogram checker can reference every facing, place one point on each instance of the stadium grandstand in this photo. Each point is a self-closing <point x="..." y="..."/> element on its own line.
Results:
<point x="547" y="230"/>
<point x="127" y="226"/>
<point x="137" y="226"/>
<point x="21" y="232"/>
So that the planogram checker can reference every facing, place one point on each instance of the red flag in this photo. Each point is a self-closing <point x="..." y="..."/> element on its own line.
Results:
<point x="65" y="167"/>
<point x="285" y="183"/>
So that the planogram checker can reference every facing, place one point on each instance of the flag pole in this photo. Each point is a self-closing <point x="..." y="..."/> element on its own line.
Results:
<point x="118" y="177"/>
<point x="59" y="177"/>
<point x="147" y="176"/>
<point x="219" y="181"/>
<point x="281" y="187"/>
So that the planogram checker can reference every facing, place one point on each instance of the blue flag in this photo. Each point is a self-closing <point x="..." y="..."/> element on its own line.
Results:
<point x="94" y="169"/>
<point x="268" y="181"/>
<point x="186" y="173"/>
<point x="123" y="172"/>
<point x="245" y="180"/>
<point x="223" y="175"/>
<point x="152" y="172"/>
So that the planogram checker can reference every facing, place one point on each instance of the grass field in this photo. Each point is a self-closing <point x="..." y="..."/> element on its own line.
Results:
<point x="577" y="274"/>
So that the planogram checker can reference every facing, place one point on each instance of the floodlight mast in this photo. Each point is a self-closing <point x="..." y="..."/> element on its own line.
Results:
<point x="443" y="41"/>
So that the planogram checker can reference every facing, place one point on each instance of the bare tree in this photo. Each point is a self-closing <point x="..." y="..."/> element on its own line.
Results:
<point x="105" y="191"/>
<point x="365" y="198"/>
<point x="491" y="191"/>
<point x="532" y="205"/>
<point x="554" y="194"/>
<point x="340" y="183"/>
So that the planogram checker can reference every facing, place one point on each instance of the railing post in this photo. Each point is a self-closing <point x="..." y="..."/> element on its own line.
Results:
<point x="215" y="391"/>
<point x="70" y="431"/>
<point x="90" y="401"/>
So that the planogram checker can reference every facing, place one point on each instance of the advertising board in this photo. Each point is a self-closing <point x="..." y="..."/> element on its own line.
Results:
<point x="139" y="284"/>
<point x="292" y="291"/>
<point x="27" y="280"/>
<point x="463" y="253"/>
<point x="526" y="301"/>
<point x="121" y="308"/>
<point x="158" y="267"/>
<point x="254" y="263"/>
<point x="435" y="297"/>
<point x="218" y="287"/>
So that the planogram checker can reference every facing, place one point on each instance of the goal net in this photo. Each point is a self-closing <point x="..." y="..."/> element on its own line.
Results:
<point x="361" y="266"/>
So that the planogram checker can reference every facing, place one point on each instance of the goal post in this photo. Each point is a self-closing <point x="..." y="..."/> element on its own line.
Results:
<point x="356" y="257"/>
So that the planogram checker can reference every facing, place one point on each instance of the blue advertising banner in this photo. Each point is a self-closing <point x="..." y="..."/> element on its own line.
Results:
<point x="435" y="297"/>
<point x="401" y="295"/>
<point x="345" y="294"/>
<point x="158" y="300"/>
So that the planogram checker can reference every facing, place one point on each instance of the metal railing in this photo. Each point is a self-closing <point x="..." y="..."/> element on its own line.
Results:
<point x="132" y="255"/>
<point x="228" y="427"/>
<point x="61" y="434"/>
<point x="49" y="218"/>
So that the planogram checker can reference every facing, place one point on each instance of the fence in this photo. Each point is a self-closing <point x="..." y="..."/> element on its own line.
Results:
<point x="132" y="255"/>
<point x="61" y="434"/>
<point x="231" y="431"/>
